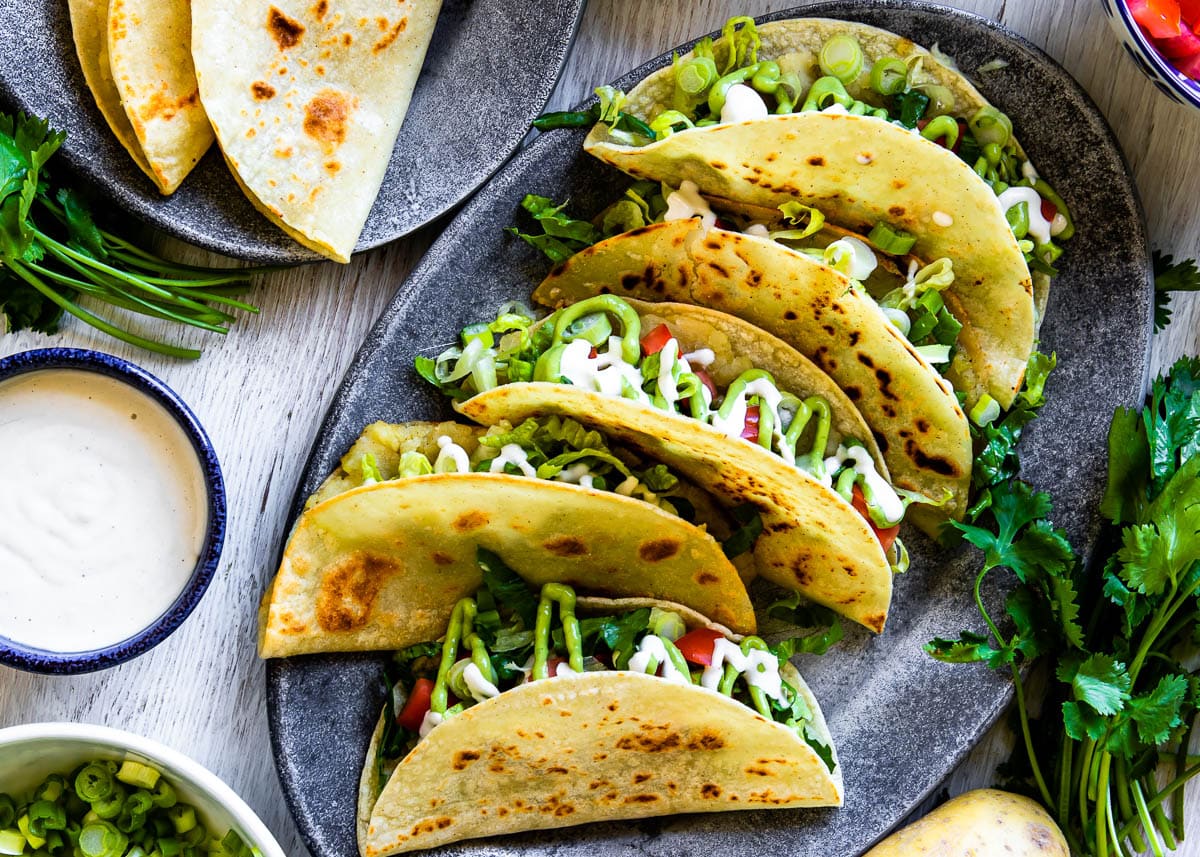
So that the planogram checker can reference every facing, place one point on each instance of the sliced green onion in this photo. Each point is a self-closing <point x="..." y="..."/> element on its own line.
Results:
<point x="183" y="817"/>
<point x="934" y="353"/>
<point x="11" y="842"/>
<point x="1044" y="189"/>
<point x="594" y="328"/>
<point x="825" y="92"/>
<point x="8" y="811"/>
<point x="663" y="125"/>
<point x="894" y="242"/>
<point x="842" y="57"/>
<point x="941" y="99"/>
<point x="414" y="464"/>
<point x="989" y="125"/>
<point x="32" y="838"/>
<point x="889" y="75"/>
<point x="95" y="782"/>
<point x="808" y="219"/>
<point x="666" y="624"/>
<point x="898" y="318"/>
<point x="470" y="333"/>
<point x="985" y="412"/>
<point x="51" y="789"/>
<point x="694" y="76"/>
<point x="943" y="128"/>
<point x="138" y="775"/>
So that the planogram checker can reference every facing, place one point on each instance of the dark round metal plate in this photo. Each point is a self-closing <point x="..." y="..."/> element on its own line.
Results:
<point x="490" y="69"/>
<point x="901" y="720"/>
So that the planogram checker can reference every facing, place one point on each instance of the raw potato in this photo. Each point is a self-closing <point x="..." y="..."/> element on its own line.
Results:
<point x="982" y="823"/>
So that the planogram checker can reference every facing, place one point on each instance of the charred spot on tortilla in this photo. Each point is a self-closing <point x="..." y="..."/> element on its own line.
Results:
<point x="930" y="462"/>
<point x="885" y="384"/>
<point x="463" y="758"/>
<point x="706" y="578"/>
<point x="326" y="117"/>
<point x="790" y="315"/>
<point x="468" y="521"/>
<point x="896" y="211"/>
<point x="349" y="589"/>
<point x="566" y="546"/>
<point x="443" y="559"/>
<point x="286" y="31"/>
<point x="392" y="34"/>
<point x="853" y="393"/>
<point x="816" y="161"/>
<point x="710" y="791"/>
<point x="706" y="740"/>
<point x="262" y="91"/>
<point x="319" y="9"/>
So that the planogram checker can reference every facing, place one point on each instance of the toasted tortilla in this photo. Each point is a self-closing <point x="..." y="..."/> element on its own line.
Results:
<point x="860" y="171"/>
<point x="380" y="566"/>
<point x="913" y="414"/>
<point x="149" y="52"/>
<point x="601" y="746"/>
<point x="812" y="541"/>
<point x="89" y="30"/>
<point x="307" y="100"/>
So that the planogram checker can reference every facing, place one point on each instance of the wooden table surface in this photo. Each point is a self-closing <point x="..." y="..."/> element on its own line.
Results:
<point x="262" y="391"/>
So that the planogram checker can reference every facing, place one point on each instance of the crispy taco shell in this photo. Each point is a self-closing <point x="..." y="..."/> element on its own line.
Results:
<point x="600" y="746"/>
<point x="860" y="170"/>
<point x="380" y="566"/>
<point x="913" y="415"/>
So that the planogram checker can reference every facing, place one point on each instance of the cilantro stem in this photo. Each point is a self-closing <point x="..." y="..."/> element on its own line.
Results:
<point x="1125" y="804"/>
<point x="1176" y="785"/>
<point x="1066" y="765"/>
<point x="1147" y="822"/>
<point x="1181" y="761"/>
<point x="1104" y="823"/>
<point x="97" y="322"/>
<point x="1162" y="823"/>
<point x="1085" y="770"/>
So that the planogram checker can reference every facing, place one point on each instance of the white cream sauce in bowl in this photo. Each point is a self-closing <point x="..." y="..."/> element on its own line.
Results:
<point x="111" y="511"/>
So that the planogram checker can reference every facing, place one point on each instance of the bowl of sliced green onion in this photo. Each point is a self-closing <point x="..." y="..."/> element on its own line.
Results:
<point x="78" y="790"/>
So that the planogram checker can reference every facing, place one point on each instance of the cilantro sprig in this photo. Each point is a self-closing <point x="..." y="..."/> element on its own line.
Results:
<point x="52" y="253"/>
<point x="1171" y="276"/>
<point x="1117" y="635"/>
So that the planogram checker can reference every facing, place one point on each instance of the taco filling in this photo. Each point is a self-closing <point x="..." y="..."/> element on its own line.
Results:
<point x="506" y="636"/>
<point x="601" y="345"/>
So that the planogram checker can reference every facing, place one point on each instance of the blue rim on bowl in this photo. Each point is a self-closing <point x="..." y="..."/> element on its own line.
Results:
<point x="1170" y="81"/>
<point x="64" y="663"/>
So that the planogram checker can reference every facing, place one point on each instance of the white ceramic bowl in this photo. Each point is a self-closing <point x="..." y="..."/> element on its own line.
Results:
<point x="1172" y="83"/>
<point x="28" y="754"/>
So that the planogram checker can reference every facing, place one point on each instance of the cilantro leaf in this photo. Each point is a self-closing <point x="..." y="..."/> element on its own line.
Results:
<point x="562" y="236"/>
<point x="1081" y="722"/>
<point x="968" y="648"/>
<point x="1159" y="711"/>
<point x="1171" y="276"/>
<point x="1100" y="681"/>
<point x="1128" y="460"/>
<point x="742" y="539"/>
<point x="507" y="588"/>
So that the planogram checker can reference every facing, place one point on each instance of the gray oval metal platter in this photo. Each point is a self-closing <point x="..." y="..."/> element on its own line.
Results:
<point x="453" y="139"/>
<point x="900" y="719"/>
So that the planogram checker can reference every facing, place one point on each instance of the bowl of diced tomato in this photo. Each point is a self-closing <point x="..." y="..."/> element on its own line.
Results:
<point x="1163" y="38"/>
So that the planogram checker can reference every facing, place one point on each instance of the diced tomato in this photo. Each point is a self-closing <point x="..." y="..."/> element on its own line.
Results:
<point x="707" y="381"/>
<point x="750" y="432"/>
<point x="697" y="646"/>
<point x="723" y="224"/>
<point x="885" y="536"/>
<point x="1189" y="10"/>
<point x="552" y="663"/>
<point x="1160" y="18"/>
<point x="1186" y="44"/>
<point x="593" y="353"/>
<point x="654" y="341"/>
<point x="1049" y="209"/>
<point x="962" y="130"/>
<point x="1190" y="67"/>
<point x="416" y="706"/>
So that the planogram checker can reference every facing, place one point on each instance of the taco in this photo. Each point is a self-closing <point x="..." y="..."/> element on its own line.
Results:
<point x="812" y="300"/>
<point x="634" y="709"/>
<point x="388" y="543"/>
<point x="880" y="136"/>
<point x="737" y="411"/>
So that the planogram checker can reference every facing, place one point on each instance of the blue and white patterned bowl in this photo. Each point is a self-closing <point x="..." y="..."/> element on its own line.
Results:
<point x="1170" y="82"/>
<point x="64" y="663"/>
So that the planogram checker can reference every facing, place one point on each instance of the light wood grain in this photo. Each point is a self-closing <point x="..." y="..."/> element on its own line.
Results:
<point x="263" y="390"/>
